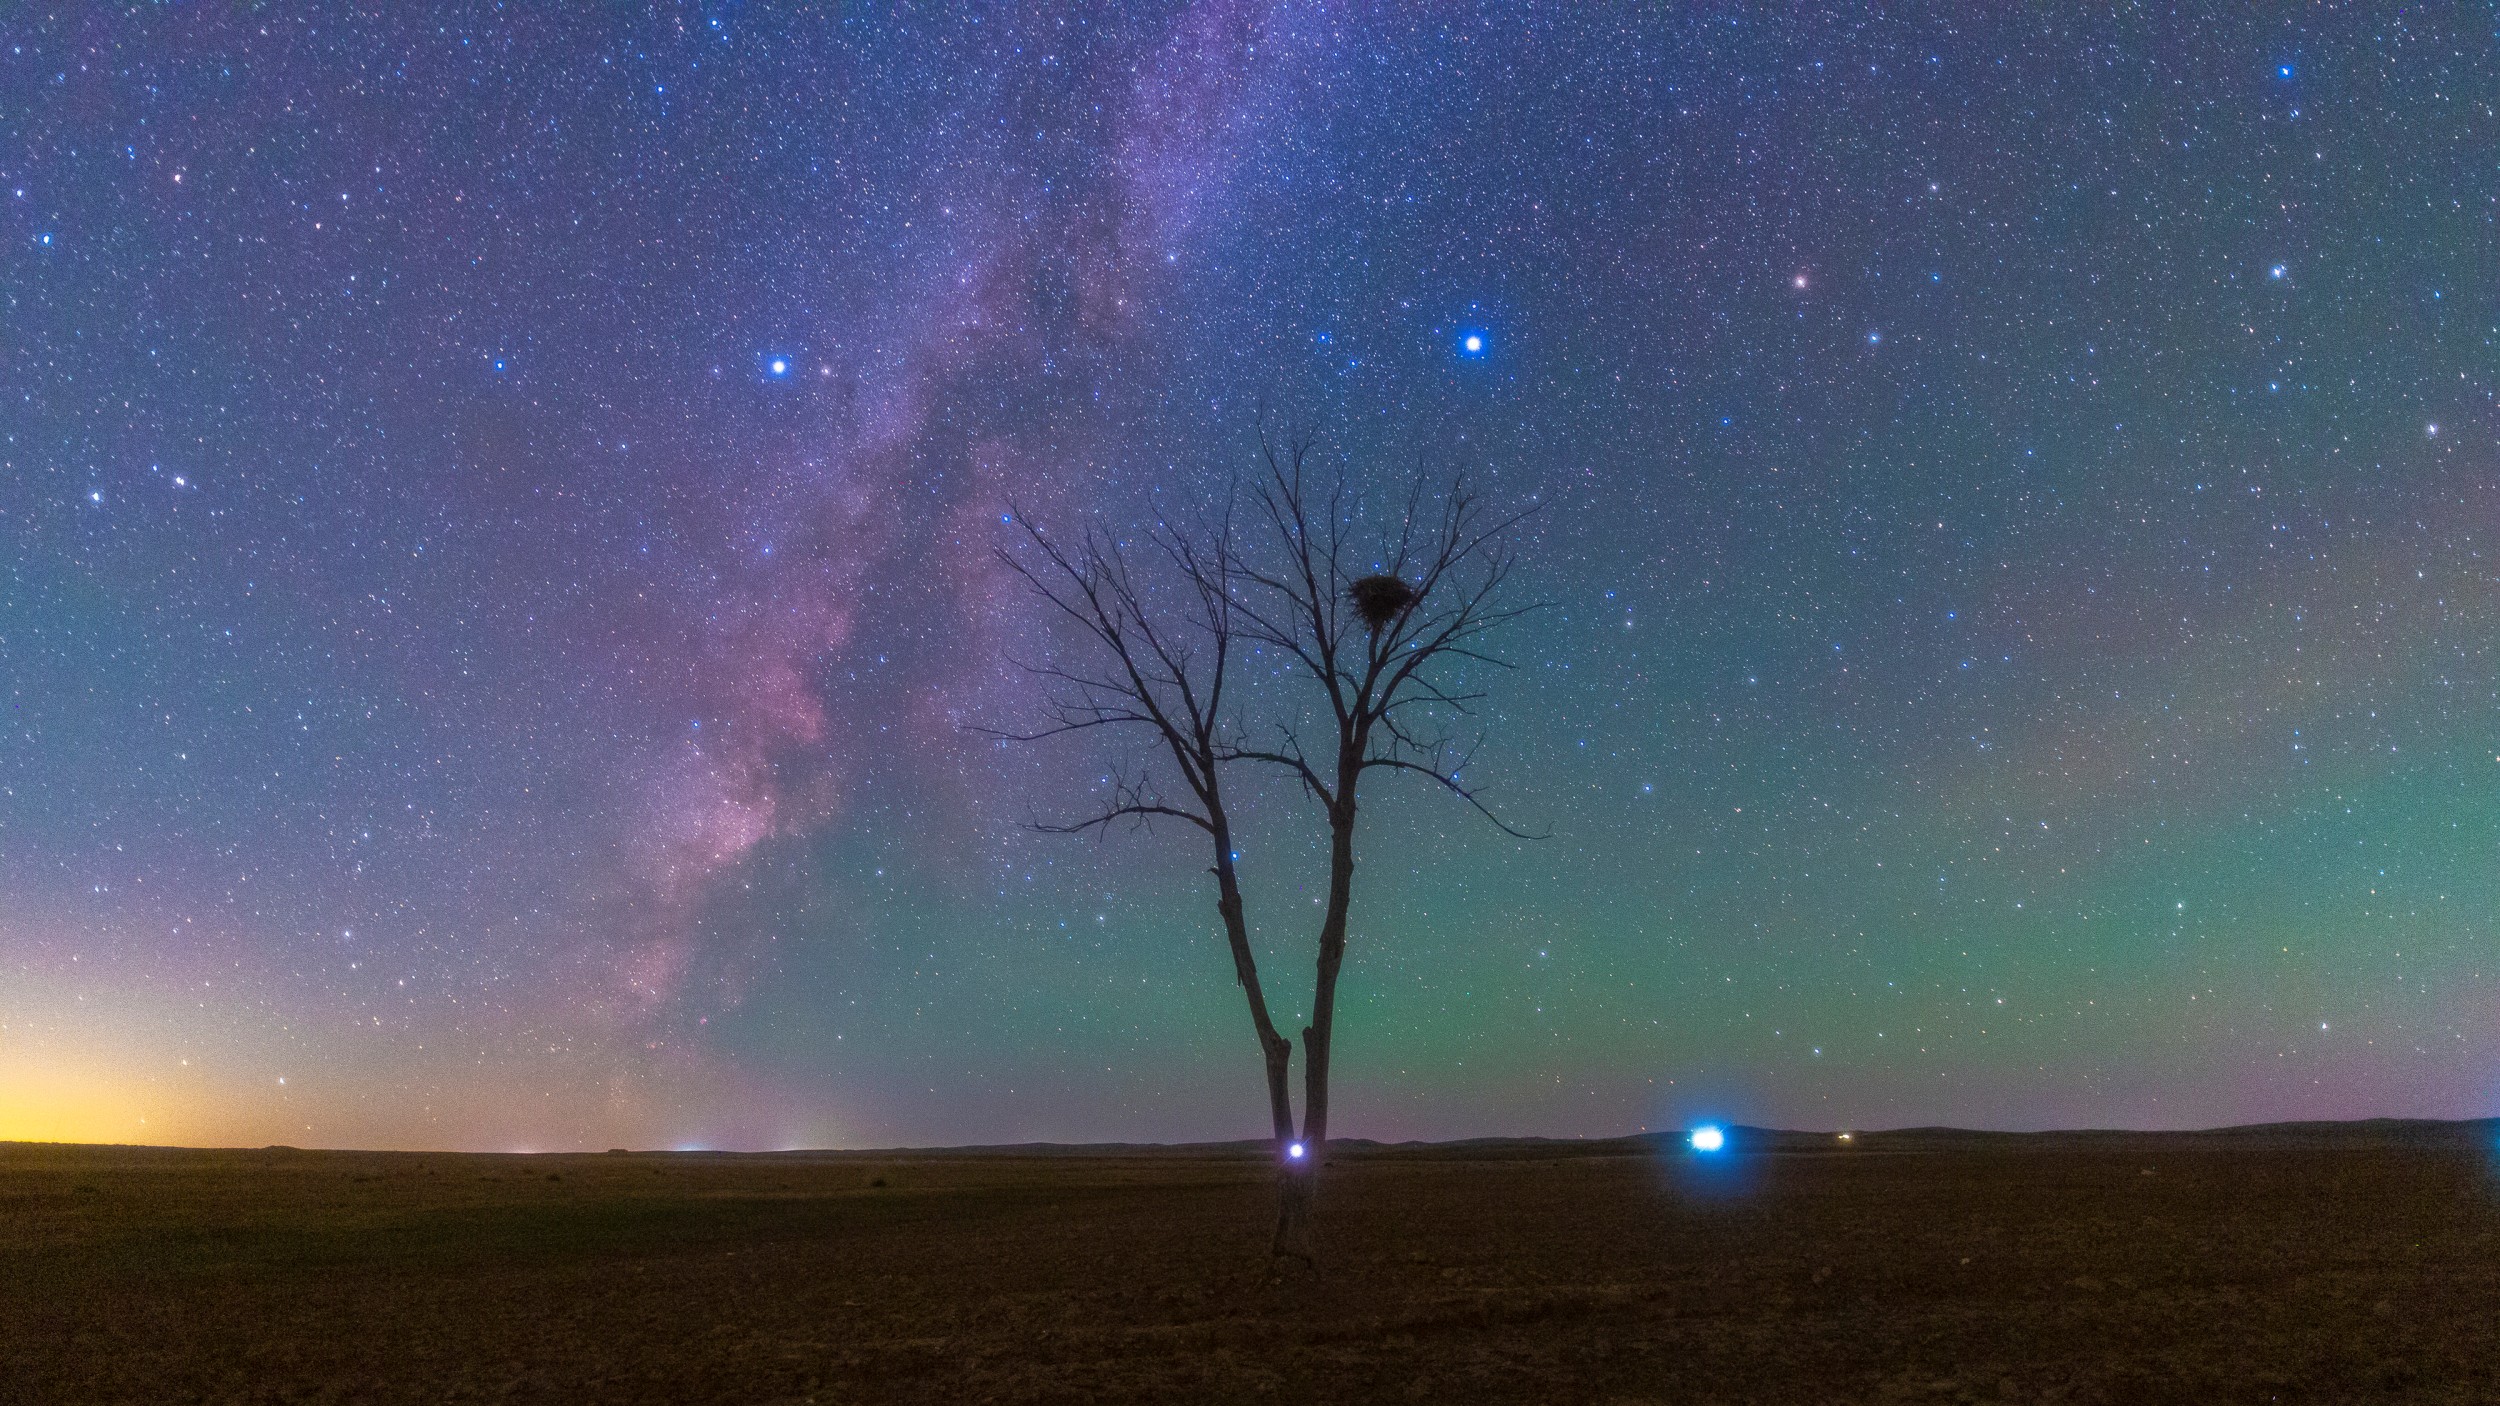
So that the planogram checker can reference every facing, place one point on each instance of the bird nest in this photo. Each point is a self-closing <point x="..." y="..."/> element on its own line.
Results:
<point x="1380" y="599"/>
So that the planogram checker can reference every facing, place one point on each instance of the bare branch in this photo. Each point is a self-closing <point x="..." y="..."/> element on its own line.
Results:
<point x="1291" y="759"/>
<point x="1469" y="795"/>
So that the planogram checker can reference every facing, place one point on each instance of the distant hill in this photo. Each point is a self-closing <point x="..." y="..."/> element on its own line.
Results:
<point x="2401" y="1132"/>
<point x="1741" y="1138"/>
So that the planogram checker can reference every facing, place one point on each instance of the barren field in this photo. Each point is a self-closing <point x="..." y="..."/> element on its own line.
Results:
<point x="2350" y="1264"/>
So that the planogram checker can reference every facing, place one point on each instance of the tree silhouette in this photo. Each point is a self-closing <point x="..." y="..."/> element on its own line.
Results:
<point x="1374" y="641"/>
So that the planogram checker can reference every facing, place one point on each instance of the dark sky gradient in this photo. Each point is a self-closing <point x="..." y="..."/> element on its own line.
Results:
<point x="497" y="515"/>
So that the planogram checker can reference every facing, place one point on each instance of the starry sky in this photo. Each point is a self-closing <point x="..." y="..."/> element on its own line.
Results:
<point x="497" y="511"/>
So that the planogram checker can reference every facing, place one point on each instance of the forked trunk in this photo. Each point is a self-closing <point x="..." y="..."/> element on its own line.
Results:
<point x="1294" y="1170"/>
<point x="1298" y="1175"/>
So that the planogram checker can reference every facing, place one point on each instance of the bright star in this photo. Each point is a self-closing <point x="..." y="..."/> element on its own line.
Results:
<point x="2277" y="271"/>
<point x="1708" y="1138"/>
<point x="1799" y="281"/>
<point x="1473" y="345"/>
<point x="780" y="367"/>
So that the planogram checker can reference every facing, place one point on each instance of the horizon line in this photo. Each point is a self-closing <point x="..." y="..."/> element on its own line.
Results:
<point x="1641" y="1135"/>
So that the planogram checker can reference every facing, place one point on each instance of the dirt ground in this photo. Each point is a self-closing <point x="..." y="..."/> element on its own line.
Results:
<point x="2340" y="1266"/>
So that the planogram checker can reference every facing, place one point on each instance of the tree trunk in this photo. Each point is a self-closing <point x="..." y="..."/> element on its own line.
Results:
<point x="1274" y="1049"/>
<point x="1298" y="1179"/>
<point x="1317" y="1039"/>
<point x="1293" y="1174"/>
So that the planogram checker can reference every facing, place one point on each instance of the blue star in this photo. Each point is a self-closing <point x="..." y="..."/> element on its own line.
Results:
<point x="1471" y="344"/>
<point x="779" y="366"/>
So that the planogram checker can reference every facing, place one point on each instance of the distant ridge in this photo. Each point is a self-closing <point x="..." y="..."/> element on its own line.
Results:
<point x="2410" y="1132"/>
<point x="1741" y="1138"/>
<point x="2400" y="1130"/>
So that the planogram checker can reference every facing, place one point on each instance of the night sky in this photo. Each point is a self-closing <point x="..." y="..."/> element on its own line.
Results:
<point x="497" y="516"/>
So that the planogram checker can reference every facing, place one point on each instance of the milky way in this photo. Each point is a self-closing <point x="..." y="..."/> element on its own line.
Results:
<point x="500" y="609"/>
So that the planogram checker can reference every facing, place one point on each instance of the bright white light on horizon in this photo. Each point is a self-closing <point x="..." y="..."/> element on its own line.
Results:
<point x="1294" y="1151"/>
<point x="1708" y="1138"/>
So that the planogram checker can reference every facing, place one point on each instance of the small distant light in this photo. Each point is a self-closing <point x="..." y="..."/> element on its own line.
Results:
<point x="1707" y="1138"/>
<point x="1844" y="1137"/>
<point x="1294" y="1151"/>
<point x="1874" y="339"/>
<point x="1799" y="281"/>
<point x="2283" y="71"/>
<point x="2431" y="430"/>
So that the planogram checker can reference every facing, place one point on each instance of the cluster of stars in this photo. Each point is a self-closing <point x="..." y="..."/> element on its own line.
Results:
<point x="2060" y="689"/>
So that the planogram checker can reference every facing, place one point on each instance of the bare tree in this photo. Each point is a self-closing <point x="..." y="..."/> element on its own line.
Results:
<point x="1376" y="639"/>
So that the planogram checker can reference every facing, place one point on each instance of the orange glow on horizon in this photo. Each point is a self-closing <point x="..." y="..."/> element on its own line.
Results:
<point x="42" y="1103"/>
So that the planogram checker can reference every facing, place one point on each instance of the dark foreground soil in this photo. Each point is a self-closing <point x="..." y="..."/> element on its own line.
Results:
<point x="2124" y="1269"/>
